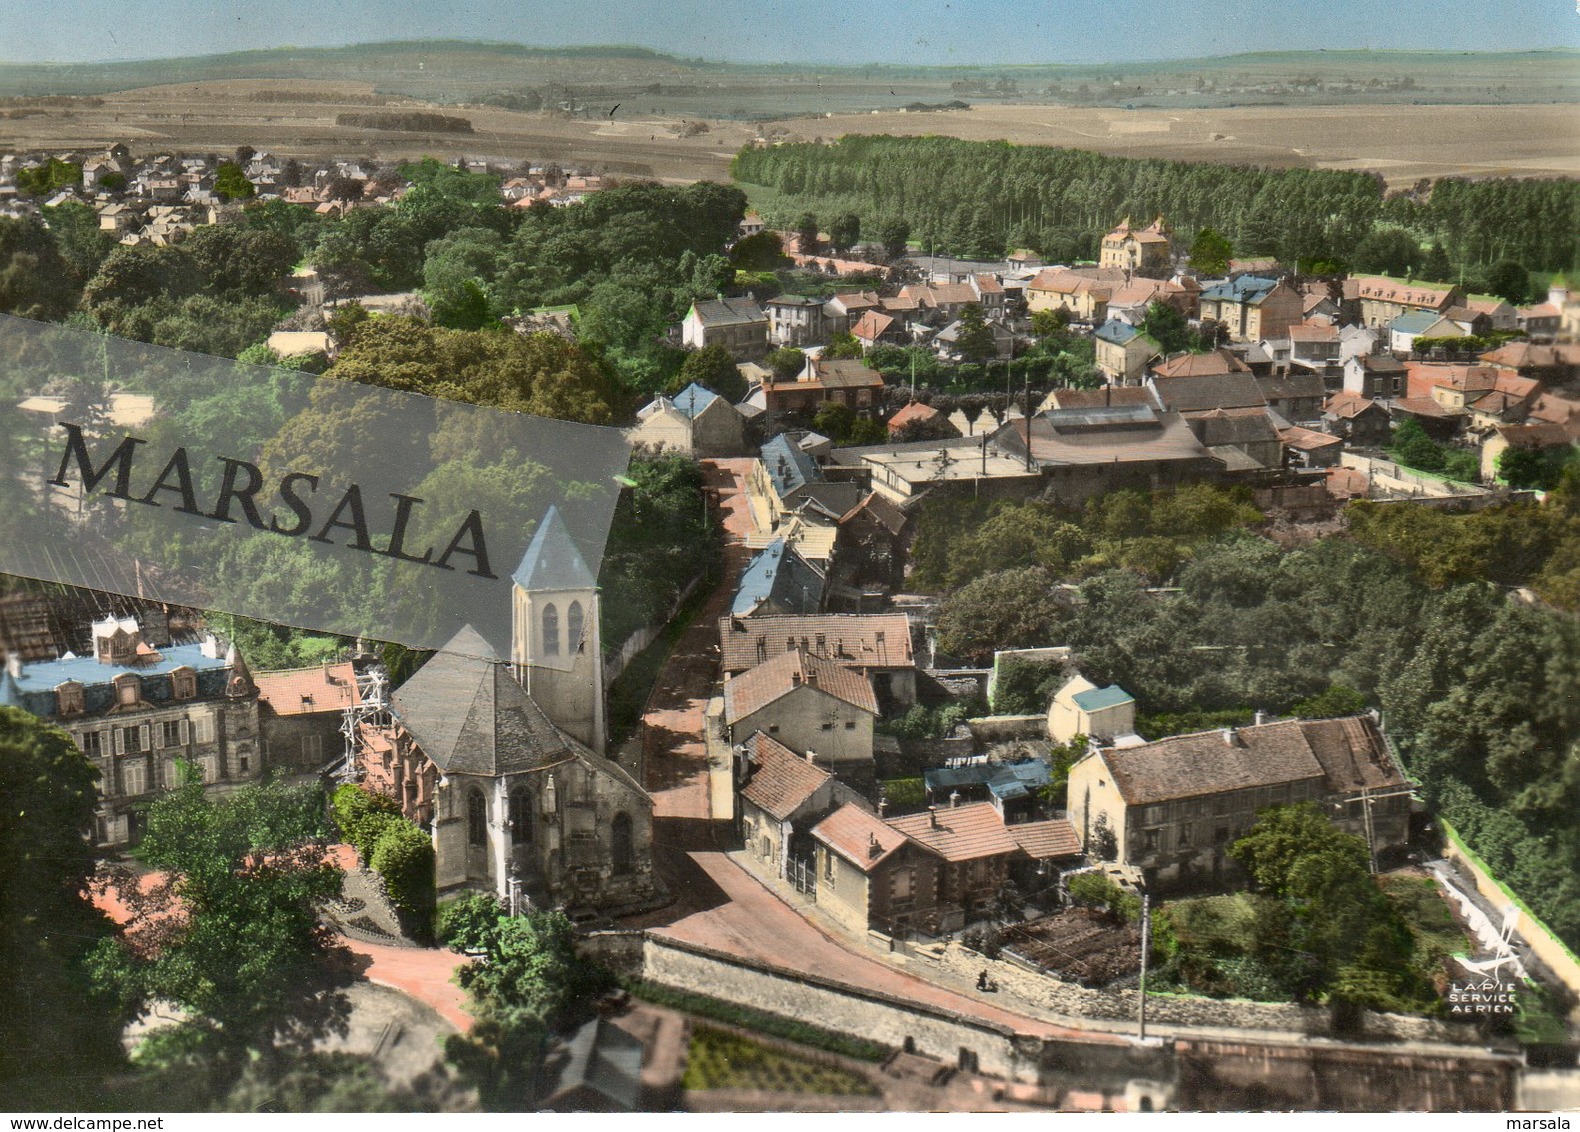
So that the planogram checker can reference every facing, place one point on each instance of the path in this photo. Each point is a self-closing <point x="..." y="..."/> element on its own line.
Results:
<point x="718" y="903"/>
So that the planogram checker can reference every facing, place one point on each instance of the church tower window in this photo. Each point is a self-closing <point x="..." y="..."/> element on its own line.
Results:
<point x="551" y="630"/>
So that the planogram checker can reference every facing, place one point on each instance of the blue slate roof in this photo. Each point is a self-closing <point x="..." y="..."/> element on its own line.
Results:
<point x="781" y="577"/>
<point x="1245" y="289"/>
<point x="1003" y="780"/>
<point x="34" y="690"/>
<point x="1414" y="322"/>
<point x="1117" y="331"/>
<point x="693" y="399"/>
<point x="552" y="561"/>
<point x="788" y="467"/>
<point x="1095" y="699"/>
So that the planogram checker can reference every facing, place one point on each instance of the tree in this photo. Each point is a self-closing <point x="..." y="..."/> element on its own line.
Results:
<point x="844" y="231"/>
<point x="806" y="233"/>
<point x="786" y="362"/>
<point x="1391" y="251"/>
<point x="1510" y="280"/>
<point x="893" y="234"/>
<point x="714" y="368"/>
<point x="1168" y="328"/>
<point x="1413" y="448"/>
<point x="1520" y="466"/>
<point x="33" y="279"/>
<point x="54" y="1033"/>
<point x="842" y="345"/>
<point x="1210" y="252"/>
<point x="230" y="183"/>
<point x="975" y="340"/>
<point x="345" y="188"/>
<point x="1053" y="324"/>
<point x="1004" y="610"/>
<point x="50" y="177"/>
<point x="1437" y="268"/>
<point x="228" y="929"/>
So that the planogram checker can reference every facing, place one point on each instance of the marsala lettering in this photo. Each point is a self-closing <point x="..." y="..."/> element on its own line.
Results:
<point x="238" y="501"/>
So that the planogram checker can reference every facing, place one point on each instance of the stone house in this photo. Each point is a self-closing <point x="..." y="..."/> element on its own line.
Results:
<point x="1083" y="293"/>
<point x="137" y="710"/>
<point x="1307" y="448"/>
<point x="1145" y="251"/>
<point x="1540" y="436"/>
<point x="877" y="645"/>
<point x="812" y="704"/>
<point x="1172" y="808"/>
<point x="739" y="325"/>
<point x="846" y="307"/>
<point x="785" y="477"/>
<point x="1230" y="434"/>
<point x="1124" y="351"/>
<point x="974" y="850"/>
<point x="796" y="321"/>
<point x="1252" y="308"/>
<point x="1313" y="346"/>
<point x="778" y="580"/>
<point x="1383" y="299"/>
<point x="1294" y="396"/>
<point x="1407" y="327"/>
<point x="870" y="876"/>
<point x="1375" y="377"/>
<point x="301" y="712"/>
<point x="1104" y="715"/>
<point x="694" y="422"/>
<point x="842" y="381"/>
<point x="780" y="795"/>
<point x="1014" y="789"/>
<point x="869" y="558"/>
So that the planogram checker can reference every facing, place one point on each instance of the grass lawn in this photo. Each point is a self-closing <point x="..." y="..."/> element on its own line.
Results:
<point x="719" y="1060"/>
<point x="1420" y="901"/>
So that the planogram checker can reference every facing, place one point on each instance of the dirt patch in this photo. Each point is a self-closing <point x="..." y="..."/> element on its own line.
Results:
<point x="1078" y="945"/>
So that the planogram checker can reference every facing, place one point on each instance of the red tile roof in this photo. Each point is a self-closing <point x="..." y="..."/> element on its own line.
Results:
<point x="915" y="411"/>
<point x="781" y="781"/>
<point x="959" y="833"/>
<point x="1046" y="840"/>
<point x="1347" y="405"/>
<point x="1306" y="440"/>
<point x="859" y="837"/>
<point x="303" y="691"/>
<point x="756" y="688"/>
<point x="860" y="640"/>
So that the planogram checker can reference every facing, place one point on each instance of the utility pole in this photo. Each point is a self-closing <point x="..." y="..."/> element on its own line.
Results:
<point x="1146" y="945"/>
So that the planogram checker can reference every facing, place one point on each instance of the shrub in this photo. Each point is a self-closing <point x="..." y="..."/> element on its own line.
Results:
<point x="1097" y="891"/>
<point x="470" y="922"/>
<point x="404" y="858"/>
<point x="363" y="817"/>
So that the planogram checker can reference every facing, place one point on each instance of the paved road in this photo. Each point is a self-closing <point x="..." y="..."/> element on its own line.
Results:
<point x="719" y="903"/>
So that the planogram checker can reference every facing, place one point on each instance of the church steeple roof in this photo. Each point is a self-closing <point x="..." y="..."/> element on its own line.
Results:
<point x="552" y="561"/>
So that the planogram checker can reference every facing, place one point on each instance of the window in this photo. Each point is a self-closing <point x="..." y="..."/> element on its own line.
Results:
<point x="1184" y="834"/>
<point x="244" y="763"/>
<point x="773" y="729"/>
<point x="183" y="683"/>
<point x="93" y="744"/>
<point x="68" y="698"/>
<point x="1220" y="835"/>
<point x="828" y="725"/>
<point x="134" y="777"/>
<point x="521" y="816"/>
<point x="128" y="690"/>
<point x="828" y="865"/>
<point x="850" y="725"/>
<point x="203" y="729"/>
<point x="476" y="819"/>
<point x="1151" y="840"/>
<point x="551" y="630"/>
<point x="209" y="765"/>
<point x="621" y="854"/>
<point x="174" y="733"/>
<point x="312" y="748"/>
<point x="172" y="774"/>
<point x="573" y="628"/>
<point x="130" y="740"/>
<point x="902" y="884"/>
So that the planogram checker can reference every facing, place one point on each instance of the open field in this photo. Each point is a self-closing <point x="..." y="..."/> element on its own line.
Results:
<point x="297" y="117"/>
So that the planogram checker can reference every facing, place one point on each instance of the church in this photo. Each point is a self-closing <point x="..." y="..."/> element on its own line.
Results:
<point x="504" y="763"/>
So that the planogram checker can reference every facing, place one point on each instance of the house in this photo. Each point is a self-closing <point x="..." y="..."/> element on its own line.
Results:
<point x="1313" y="346"/>
<point x="1212" y="363"/>
<point x="1104" y="715"/>
<point x="973" y="848"/>
<point x="1382" y="299"/>
<point x="946" y="341"/>
<point x="1552" y="408"/>
<point x="1124" y="351"/>
<point x="739" y="325"/>
<point x="813" y="704"/>
<point x="1499" y="312"/>
<point x="1205" y="391"/>
<point x="1307" y="448"/>
<point x="1540" y="322"/>
<point x="1173" y="807"/>
<point x="780" y="796"/>
<point x="784" y="478"/>
<point x="1538" y="436"/>
<point x="870" y="876"/>
<point x="1131" y="302"/>
<point x="1554" y="364"/>
<point x="1374" y="377"/>
<point x="1106" y="397"/>
<point x="515" y="804"/>
<point x="1452" y="385"/>
<point x="945" y="301"/>
<point x="1252" y="307"/>
<point x="694" y="422"/>
<point x="846" y="307"/>
<point x="923" y="417"/>
<point x="840" y="381"/>
<point x="778" y="580"/>
<point x="1014" y="789"/>
<point x="877" y="645"/>
<point x="137" y="710"/>
<point x="1081" y="292"/>
<point x="1294" y="396"/>
<point x="1249" y="432"/>
<point x="1413" y="324"/>
<point x="795" y="321"/>
<point x="869" y="563"/>
<point x="1145" y="251"/>
<point x="874" y="328"/>
<point x="301" y="713"/>
<point x="596" y="1069"/>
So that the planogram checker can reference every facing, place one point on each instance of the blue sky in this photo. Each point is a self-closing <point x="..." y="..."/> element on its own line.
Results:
<point x="830" y="31"/>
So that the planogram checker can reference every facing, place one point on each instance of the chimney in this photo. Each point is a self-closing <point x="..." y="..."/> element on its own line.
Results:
<point x="811" y="757"/>
<point x="954" y="799"/>
<point x="873" y="848"/>
<point x="1230" y="737"/>
<point x="13" y="665"/>
<point x="1260" y="717"/>
<point x="932" y="814"/>
<point x="883" y="805"/>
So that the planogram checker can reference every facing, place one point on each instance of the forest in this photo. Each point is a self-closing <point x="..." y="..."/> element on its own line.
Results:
<point x="977" y="199"/>
<point x="1177" y="598"/>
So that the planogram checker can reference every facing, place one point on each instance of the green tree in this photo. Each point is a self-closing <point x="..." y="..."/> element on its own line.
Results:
<point x="34" y="280"/>
<point x="975" y="341"/>
<point x="762" y="252"/>
<point x="1210" y="253"/>
<point x="1413" y="448"/>
<point x="49" y="177"/>
<point x="806" y="233"/>
<point x="893" y="234"/>
<point x="842" y="345"/>
<point x="1168" y="328"/>
<point x="1004" y="610"/>
<point x="55" y="1035"/>
<point x="786" y="362"/>
<point x="1053" y="324"/>
<point x="230" y="183"/>
<point x="712" y="367"/>
<point x="1437" y="268"/>
<point x="228" y="930"/>
<point x="1391" y="251"/>
<point x="844" y="231"/>
<point x="1509" y="280"/>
